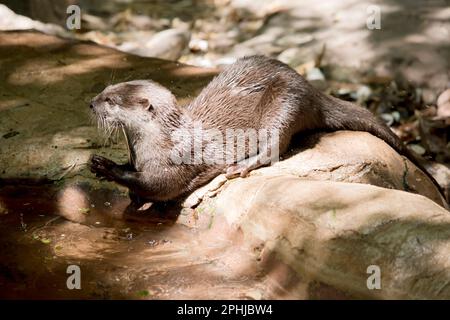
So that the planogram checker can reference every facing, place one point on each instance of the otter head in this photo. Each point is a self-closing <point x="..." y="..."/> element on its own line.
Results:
<point x="135" y="105"/>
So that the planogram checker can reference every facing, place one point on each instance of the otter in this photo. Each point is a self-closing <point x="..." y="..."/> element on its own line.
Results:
<point x="255" y="92"/>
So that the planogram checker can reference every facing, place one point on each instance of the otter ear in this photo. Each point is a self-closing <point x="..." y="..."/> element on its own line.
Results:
<point x="145" y="103"/>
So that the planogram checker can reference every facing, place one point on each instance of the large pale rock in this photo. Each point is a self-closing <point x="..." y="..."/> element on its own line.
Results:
<point x="49" y="11"/>
<point x="304" y="233"/>
<point x="443" y="105"/>
<point x="441" y="173"/>
<point x="353" y="157"/>
<point x="168" y="44"/>
<point x="343" y="156"/>
<point x="9" y="20"/>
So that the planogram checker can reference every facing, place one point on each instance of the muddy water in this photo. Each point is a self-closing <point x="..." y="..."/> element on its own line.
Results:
<point x="122" y="255"/>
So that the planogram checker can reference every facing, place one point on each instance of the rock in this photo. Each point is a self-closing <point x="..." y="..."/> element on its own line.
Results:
<point x="388" y="118"/>
<point x="353" y="157"/>
<point x="54" y="128"/>
<point x="294" y="40"/>
<point x="362" y="94"/>
<point x="179" y="24"/>
<point x="12" y="21"/>
<point x="307" y="236"/>
<point x="144" y="22"/>
<point x="429" y="96"/>
<point x="441" y="173"/>
<point x="47" y="11"/>
<point x="198" y="45"/>
<point x="198" y="61"/>
<point x="291" y="56"/>
<point x="225" y="61"/>
<point x="130" y="42"/>
<point x="443" y="105"/>
<point x="417" y="148"/>
<point x="316" y="78"/>
<point x="443" y="112"/>
<point x="260" y="44"/>
<point x="168" y="44"/>
<point x="209" y="190"/>
<point x="91" y="22"/>
<point x="345" y="156"/>
<point x="444" y="97"/>
<point x="222" y="44"/>
<point x="343" y="73"/>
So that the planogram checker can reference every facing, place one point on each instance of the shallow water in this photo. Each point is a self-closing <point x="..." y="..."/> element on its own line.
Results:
<point x="139" y="256"/>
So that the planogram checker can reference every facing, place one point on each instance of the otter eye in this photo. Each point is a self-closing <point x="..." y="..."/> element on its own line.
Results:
<point x="108" y="100"/>
<point x="145" y="104"/>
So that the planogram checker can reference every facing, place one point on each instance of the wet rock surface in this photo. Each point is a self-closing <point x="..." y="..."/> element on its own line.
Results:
<point x="47" y="84"/>
<point x="275" y="234"/>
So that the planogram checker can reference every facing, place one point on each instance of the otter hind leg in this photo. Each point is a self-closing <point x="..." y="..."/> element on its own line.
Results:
<point x="268" y="154"/>
<point x="243" y="167"/>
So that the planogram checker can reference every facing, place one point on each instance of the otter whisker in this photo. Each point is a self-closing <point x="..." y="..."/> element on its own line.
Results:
<point x="127" y="141"/>
<point x="113" y="75"/>
<point x="109" y="130"/>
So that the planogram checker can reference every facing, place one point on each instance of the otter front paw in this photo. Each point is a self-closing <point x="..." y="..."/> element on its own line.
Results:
<point x="104" y="168"/>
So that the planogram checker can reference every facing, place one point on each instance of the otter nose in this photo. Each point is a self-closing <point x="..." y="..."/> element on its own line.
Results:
<point x="91" y="106"/>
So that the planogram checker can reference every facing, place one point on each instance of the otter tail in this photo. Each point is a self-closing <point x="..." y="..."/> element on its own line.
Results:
<point x="343" y="115"/>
